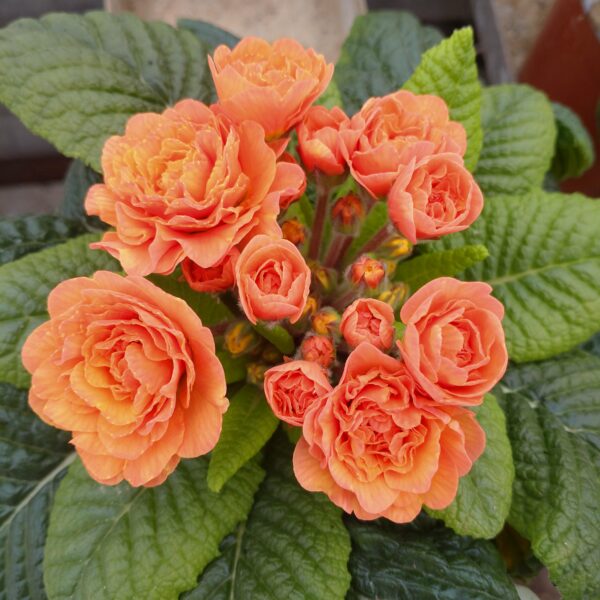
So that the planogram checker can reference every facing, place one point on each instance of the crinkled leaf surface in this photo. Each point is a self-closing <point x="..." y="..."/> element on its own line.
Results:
<point x="78" y="180"/>
<point x="208" y="33"/>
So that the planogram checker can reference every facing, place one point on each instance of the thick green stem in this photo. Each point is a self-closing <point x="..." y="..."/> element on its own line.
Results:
<point x="319" y="221"/>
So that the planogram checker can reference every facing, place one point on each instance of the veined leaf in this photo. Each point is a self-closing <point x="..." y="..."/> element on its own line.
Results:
<point x="78" y="180"/>
<point x="208" y="33"/>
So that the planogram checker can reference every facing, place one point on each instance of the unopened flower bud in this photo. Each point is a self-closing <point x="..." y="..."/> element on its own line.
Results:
<point x="318" y="349"/>
<point x="369" y="271"/>
<point x="348" y="211"/>
<point x="395" y="296"/>
<point x="311" y="307"/>
<point x="256" y="372"/>
<point x="395" y="248"/>
<point x="325" y="321"/>
<point x="322" y="276"/>
<point x="293" y="231"/>
<point x="271" y="355"/>
<point x="240" y="338"/>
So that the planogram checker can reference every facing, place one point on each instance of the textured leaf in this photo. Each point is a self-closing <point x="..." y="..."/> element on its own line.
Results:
<point x="417" y="271"/>
<point x="449" y="70"/>
<point x="208" y="33"/>
<point x="75" y="80"/>
<point x="424" y="561"/>
<point x="380" y="54"/>
<point x="24" y="287"/>
<point x="518" y="139"/>
<point x="574" y="152"/>
<point x="375" y="221"/>
<point x="235" y="367"/>
<point x="121" y="542"/>
<point x="293" y="546"/>
<point x="33" y="457"/>
<point x="555" y="495"/>
<point x="483" y="499"/>
<point x="247" y="426"/>
<point x="23" y="235"/>
<point x="593" y="344"/>
<point x="276" y="335"/>
<point x="544" y="265"/>
<point x="78" y="180"/>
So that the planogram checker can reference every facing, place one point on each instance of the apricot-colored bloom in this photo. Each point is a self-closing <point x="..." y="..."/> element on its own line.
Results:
<point x="186" y="183"/>
<point x="272" y="84"/>
<point x="131" y="372"/>
<point x="292" y="387"/>
<point x="213" y="279"/>
<point x="377" y="137"/>
<point x="374" y="452"/>
<point x="292" y="183"/>
<point x="318" y="349"/>
<point x="368" y="320"/>
<point x="319" y="142"/>
<point x="434" y="196"/>
<point x="368" y="271"/>
<point x="454" y="342"/>
<point x="273" y="280"/>
<point x="293" y="231"/>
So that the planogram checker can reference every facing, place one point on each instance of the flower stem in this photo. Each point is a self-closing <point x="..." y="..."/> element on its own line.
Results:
<point x="379" y="238"/>
<point x="319" y="221"/>
<point x="337" y="249"/>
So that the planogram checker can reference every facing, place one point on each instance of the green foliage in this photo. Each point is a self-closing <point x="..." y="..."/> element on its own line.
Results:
<point x="518" y="139"/>
<point x="75" y="80"/>
<point x="276" y="335"/>
<point x="448" y="70"/>
<point x="294" y="544"/>
<point x="208" y="33"/>
<point x="331" y="96"/>
<point x="247" y="426"/>
<point x="33" y="458"/>
<point x="24" y="287"/>
<point x="380" y="54"/>
<point x="375" y="221"/>
<point x="423" y="560"/>
<point x="235" y="367"/>
<point x="78" y="181"/>
<point x="574" y="152"/>
<point x="544" y="266"/>
<point x="121" y="542"/>
<point x="484" y="495"/>
<point x="417" y="271"/>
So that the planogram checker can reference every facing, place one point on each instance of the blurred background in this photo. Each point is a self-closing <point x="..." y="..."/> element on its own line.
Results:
<point x="551" y="44"/>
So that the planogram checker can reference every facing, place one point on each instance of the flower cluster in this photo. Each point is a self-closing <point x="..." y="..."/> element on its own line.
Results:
<point x="380" y="382"/>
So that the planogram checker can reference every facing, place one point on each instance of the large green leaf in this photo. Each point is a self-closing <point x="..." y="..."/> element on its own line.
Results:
<point x="23" y="235"/>
<point x="208" y="33"/>
<point x="449" y="70"/>
<point x="417" y="271"/>
<point x="574" y="152"/>
<point x="544" y="265"/>
<point x="24" y="287"/>
<point x="380" y="54"/>
<point x="78" y="180"/>
<point x="483" y="499"/>
<point x="75" y="80"/>
<point x="121" y="542"/>
<point x="423" y="560"/>
<point x="293" y="545"/>
<point x="33" y="458"/>
<point x="518" y="139"/>
<point x="247" y="426"/>
<point x="555" y="494"/>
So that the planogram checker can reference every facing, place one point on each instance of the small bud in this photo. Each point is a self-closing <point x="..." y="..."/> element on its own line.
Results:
<point x="325" y="321"/>
<point x="271" y="355"/>
<point x="348" y="211"/>
<point x="293" y="231"/>
<point x="240" y="338"/>
<point x="395" y="296"/>
<point x="368" y="271"/>
<point x="318" y="349"/>
<point x="395" y="248"/>
<point x="311" y="307"/>
<point x="322" y="276"/>
<point x="256" y="372"/>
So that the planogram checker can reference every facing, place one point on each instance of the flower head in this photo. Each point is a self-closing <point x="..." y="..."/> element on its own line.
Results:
<point x="318" y="349"/>
<point x="367" y="270"/>
<point x="212" y="279"/>
<point x="368" y="320"/>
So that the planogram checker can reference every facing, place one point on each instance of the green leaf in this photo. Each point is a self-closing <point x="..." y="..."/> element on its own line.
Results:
<point x="33" y="458"/>
<point x="247" y="426"/>
<point x="276" y="335"/>
<point x="417" y="271"/>
<point x="375" y="221"/>
<point x="121" y="542"/>
<point x="483" y="500"/>
<point x="23" y="235"/>
<point x="423" y="560"/>
<point x="75" y="80"/>
<point x="448" y="70"/>
<point x="208" y="33"/>
<point x="544" y="266"/>
<point x="24" y="287"/>
<point x="78" y="181"/>
<point x="555" y="494"/>
<point x="574" y="152"/>
<point x="235" y="367"/>
<point x="331" y="96"/>
<point x="593" y="345"/>
<point x="380" y="54"/>
<point x="208" y="306"/>
<point x="294" y="544"/>
<point x="518" y="139"/>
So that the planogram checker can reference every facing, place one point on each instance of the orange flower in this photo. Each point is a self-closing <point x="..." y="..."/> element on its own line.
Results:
<point x="376" y="139"/>
<point x="273" y="280"/>
<point x="213" y="279"/>
<point x="292" y="387"/>
<point x="371" y="448"/>
<point x="186" y="183"/>
<point x="131" y="372"/>
<point x="368" y="271"/>
<point x="319" y="142"/>
<point x="454" y="342"/>
<point x="368" y="320"/>
<point x="318" y="349"/>
<point x="348" y="211"/>
<point x="434" y="196"/>
<point x="293" y="231"/>
<point x="272" y="84"/>
<point x="292" y="183"/>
